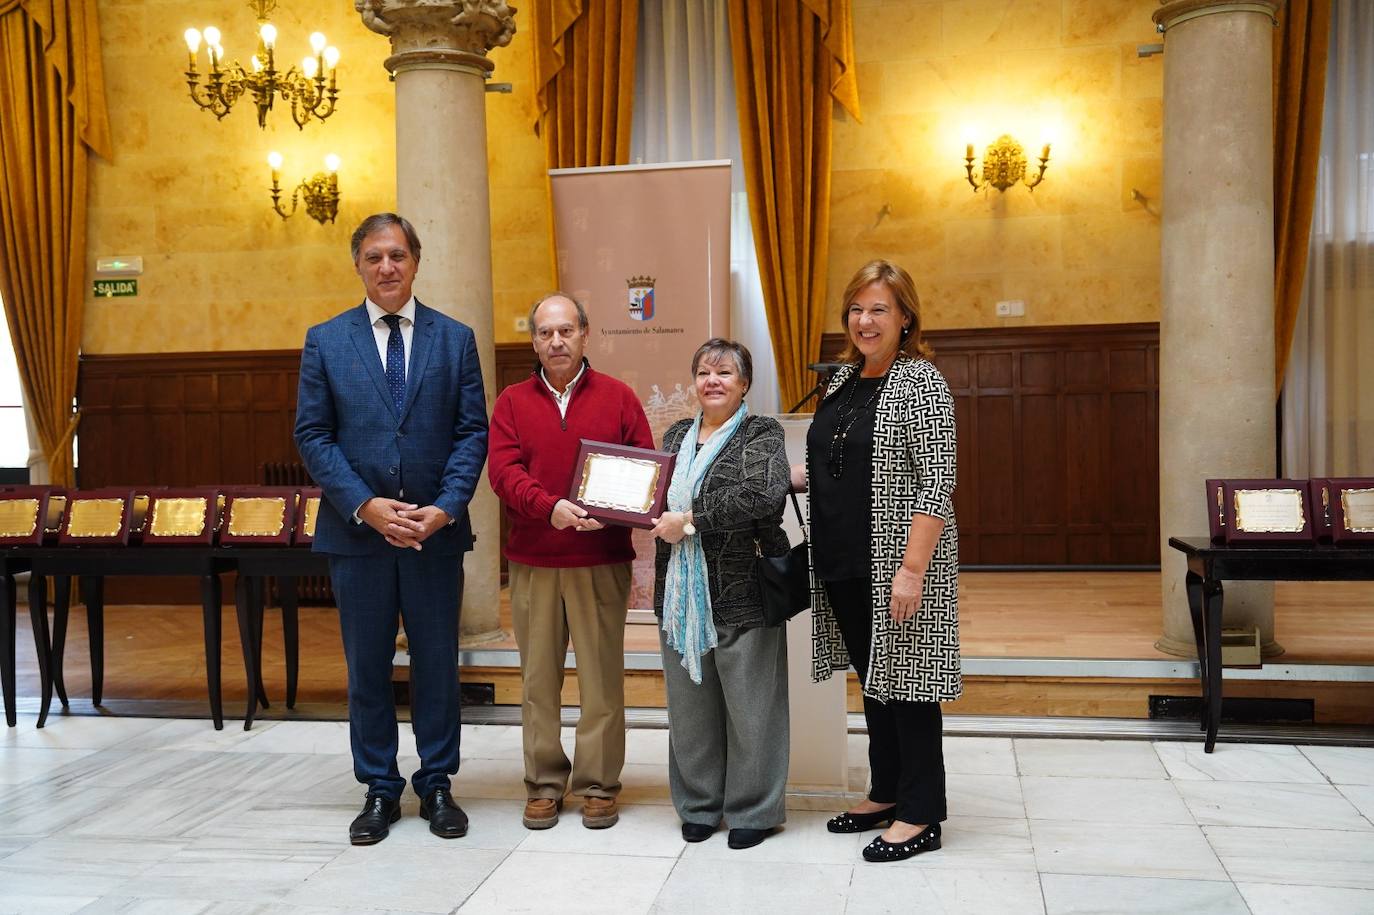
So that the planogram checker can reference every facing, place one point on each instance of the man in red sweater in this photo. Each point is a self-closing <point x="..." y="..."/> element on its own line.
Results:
<point x="568" y="572"/>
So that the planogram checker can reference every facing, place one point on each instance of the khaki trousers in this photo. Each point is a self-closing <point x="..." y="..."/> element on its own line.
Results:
<point x="547" y="605"/>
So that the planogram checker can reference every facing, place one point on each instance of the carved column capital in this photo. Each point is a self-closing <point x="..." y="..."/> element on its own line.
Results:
<point x="445" y="33"/>
<point x="1175" y="12"/>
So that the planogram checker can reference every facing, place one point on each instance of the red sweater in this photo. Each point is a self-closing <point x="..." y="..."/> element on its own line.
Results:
<point x="531" y="453"/>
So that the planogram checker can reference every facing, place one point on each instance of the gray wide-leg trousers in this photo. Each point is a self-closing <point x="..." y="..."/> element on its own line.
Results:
<point x="728" y="735"/>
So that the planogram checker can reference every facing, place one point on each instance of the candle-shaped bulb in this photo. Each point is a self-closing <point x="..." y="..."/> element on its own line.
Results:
<point x="257" y="64"/>
<point x="308" y="66"/>
<point x="193" y="40"/>
<point x="1045" y="153"/>
<point x="211" y="35"/>
<point x="269" y="34"/>
<point x="331" y="163"/>
<point x="331" y="57"/>
<point x="274" y="159"/>
<point x="968" y="151"/>
<point x="317" y="42"/>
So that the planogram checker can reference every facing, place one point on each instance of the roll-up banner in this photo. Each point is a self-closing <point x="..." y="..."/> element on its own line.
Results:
<point x="646" y="250"/>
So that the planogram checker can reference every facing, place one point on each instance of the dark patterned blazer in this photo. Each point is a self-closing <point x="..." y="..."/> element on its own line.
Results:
<point x="740" y="502"/>
<point x="913" y="472"/>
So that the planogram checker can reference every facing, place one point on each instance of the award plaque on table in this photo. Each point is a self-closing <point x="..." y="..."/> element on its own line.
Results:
<point x="619" y="484"/>
<point x="303" y="532"/>
<point x="262" y="515"/>
<point x="181" y="516"/>
<point x="1262" y="511"/>
<point x="97" y="517"/>
<point x="1348" y="506"/>
<point x="29" y="515"/>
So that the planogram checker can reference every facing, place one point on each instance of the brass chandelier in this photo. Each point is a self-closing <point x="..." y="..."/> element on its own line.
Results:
<point x="311" y="91"/>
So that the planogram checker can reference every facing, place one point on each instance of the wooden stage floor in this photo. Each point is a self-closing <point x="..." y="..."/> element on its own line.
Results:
<point x="156" y="652"/>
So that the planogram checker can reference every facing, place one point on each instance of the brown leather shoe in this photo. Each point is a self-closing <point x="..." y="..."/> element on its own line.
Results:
<point x="599" y="812"/>
<point x="541" y="812"/>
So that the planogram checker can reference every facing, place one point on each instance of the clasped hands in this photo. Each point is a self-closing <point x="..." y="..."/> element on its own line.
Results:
<point x="403" y="524"/>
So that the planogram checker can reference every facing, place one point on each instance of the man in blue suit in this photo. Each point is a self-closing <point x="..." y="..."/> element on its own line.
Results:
<point x="391" y="422"/>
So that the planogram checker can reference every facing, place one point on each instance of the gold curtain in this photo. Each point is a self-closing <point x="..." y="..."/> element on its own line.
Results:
<point x="52" y="111"/>
<point x="792" y="60"/>
<point x="1299" y="88"/>
<point x="584" y="77"/>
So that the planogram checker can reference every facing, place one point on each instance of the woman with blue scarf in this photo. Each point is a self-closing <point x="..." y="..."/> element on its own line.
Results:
<point x="725" y="669"/>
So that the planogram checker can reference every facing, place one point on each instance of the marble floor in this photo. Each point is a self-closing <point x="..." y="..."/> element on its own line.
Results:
<point x="128" y="815"/>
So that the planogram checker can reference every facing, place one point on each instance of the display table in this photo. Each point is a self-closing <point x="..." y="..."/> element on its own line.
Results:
<point x="92" y="565"/>
<point x="1210" y="564"/>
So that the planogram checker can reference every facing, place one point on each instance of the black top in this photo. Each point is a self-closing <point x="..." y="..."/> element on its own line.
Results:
<point x="842" y="509"/>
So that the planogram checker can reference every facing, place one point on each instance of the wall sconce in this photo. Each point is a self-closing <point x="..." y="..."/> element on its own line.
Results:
<point x="311" y="90"/>
<point x="1004" y="164"/>
<point x="321" y="192"/>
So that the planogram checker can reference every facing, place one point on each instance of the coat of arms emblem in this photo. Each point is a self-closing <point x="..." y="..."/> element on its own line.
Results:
<point x="641" y="297"/>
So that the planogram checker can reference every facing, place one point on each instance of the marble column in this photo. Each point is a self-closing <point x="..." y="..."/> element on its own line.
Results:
<point x="1217" y="319"/>
<point x="440" y="64"/>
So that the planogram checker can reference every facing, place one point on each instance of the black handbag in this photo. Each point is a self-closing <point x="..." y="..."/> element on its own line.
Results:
<point x="784" y="581"/>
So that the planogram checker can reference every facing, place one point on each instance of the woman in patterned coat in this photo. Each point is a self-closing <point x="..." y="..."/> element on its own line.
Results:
<point x="884" y="555"/>
<point x="724" y="668"/>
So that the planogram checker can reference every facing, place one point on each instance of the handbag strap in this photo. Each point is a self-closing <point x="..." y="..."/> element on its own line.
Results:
<point x="801" y="522"/>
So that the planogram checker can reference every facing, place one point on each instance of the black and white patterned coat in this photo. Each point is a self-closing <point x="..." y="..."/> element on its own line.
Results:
<point x="913" y="471"/>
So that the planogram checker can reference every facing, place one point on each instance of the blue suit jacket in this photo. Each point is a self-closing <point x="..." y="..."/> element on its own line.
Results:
<point x="356" y="445"/>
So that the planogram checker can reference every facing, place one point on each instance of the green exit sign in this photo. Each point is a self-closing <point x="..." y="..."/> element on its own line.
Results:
<point x="110" y="288"/>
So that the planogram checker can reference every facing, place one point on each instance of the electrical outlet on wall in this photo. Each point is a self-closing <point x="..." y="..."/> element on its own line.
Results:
<point x="1012" y="308"/>
<point x="522" y="325"/>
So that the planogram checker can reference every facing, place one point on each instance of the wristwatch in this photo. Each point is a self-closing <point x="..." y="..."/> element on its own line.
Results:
<point x="689" y="528"/>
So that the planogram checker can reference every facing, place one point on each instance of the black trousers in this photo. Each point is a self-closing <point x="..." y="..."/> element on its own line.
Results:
<point x="905" y="755"/>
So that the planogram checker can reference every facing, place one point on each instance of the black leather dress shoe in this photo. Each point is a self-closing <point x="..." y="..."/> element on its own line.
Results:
<point x="697" y="832"/>
<point x="861" y="822"/>
<point x="446" y="819"/>
<point x="372" y="825"/>
<point x="927" y="839"/>
<point x="747" y="838"/>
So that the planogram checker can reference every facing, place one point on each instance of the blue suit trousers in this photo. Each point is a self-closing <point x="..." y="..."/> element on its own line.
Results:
<point x="425" y="590"/>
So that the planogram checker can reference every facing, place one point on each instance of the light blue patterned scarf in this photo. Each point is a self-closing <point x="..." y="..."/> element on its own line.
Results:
<point x="688" y="626"/>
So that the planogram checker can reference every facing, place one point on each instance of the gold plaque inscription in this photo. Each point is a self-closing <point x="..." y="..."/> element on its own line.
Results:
<point x="1270" y="511"/>
<point x="18" y="517"/>
<point x="257" y="516"/>
<point x="178" y="518"/>
<point x="618" y="482"/>
<point x="1358" y="505"/>
<point x="57" y="507"/>
<point x="95" y="518"/>
<point x="312" y="511"/>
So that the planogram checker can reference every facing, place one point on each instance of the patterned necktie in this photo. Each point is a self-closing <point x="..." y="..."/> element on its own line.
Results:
<point x="395" y="361"/>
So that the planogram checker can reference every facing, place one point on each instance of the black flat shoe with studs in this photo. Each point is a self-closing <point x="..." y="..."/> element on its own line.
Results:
<point x="861" y="822"/>
<point x="927" y="839"/>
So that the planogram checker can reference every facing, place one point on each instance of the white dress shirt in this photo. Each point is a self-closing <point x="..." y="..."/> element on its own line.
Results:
<point x="382" y="333"/>
<point x="562" y="399"/>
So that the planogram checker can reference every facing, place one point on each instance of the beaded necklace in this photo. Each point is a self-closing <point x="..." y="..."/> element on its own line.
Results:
<point x="845" y="417"/>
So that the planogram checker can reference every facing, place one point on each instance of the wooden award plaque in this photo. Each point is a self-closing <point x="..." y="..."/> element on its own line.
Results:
<point x="261" y="515"/>
<point x="97" y="517"/>
<point x="620" y="484"/>
<point x="1351" y="509"/>
<point x="303" y="532"/>
<point x="182" y="516"/>
<point x="30" y="515"/>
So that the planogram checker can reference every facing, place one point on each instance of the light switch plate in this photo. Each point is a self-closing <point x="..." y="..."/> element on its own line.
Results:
<point x="1012" y="308"/>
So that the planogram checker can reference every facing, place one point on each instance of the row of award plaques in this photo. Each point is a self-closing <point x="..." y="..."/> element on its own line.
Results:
<point x="205" y="516"/>
<point x="1335" y="510"/>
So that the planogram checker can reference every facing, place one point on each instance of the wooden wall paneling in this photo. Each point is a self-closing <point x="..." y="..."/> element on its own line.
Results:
<point x="1058" y="442"/>
<point x="1058" y="431"/>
